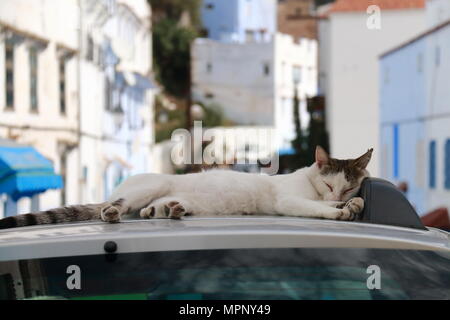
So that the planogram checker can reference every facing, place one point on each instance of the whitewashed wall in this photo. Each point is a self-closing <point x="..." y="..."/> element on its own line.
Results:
<point x="437" y="12"/>
<point x="352" y="97"/>
<point x="414" y="96"/>
<point x="234" y="75"/>
<point x="55" y="22"/>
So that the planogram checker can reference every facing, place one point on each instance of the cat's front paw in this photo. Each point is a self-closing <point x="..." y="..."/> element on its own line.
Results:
<point x="351" y="209"/>
<point x="355" y="205"/>
<point x="345" y="215"/>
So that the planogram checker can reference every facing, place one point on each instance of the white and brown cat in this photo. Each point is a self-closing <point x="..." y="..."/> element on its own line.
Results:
<point x="326" y="189"/>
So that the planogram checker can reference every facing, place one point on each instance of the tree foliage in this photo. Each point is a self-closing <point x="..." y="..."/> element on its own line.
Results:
<point x="299" y="141"/>
<point x="171" y="55"/>
<point x="173" y="9"/>
<point x="172" y="42"/>
<point x="305" y="143"/>
<point x="322" y="2"/>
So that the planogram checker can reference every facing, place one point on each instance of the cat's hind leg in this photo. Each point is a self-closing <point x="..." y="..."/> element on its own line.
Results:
<point x="134" y="194"/>
<point x="166" y="207"/>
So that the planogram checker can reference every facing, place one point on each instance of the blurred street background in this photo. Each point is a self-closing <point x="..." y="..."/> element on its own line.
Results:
<point x="91" y="90"/>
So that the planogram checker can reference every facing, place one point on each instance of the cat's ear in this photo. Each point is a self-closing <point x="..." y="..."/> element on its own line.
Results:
<point x="363" y="161"/>
<point x="322" y="157"/>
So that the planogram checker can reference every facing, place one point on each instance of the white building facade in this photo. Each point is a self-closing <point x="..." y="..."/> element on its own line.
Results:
<point x="254" y="83"/>
<point x="75" y="84"/>
<point x="39" y="87"/>
<point x="349" y="73"/>
<point x="116" y="95"/>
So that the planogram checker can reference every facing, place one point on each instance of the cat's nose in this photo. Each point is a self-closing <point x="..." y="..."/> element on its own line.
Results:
<point x="337" y="198"/>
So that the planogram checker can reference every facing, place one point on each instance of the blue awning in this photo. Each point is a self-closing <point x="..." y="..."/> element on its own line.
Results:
<point x="286" y="151"/>
<point x="25" y="172"/>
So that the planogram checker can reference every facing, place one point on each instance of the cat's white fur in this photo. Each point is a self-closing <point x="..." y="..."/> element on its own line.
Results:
<point x="222" y="192"/>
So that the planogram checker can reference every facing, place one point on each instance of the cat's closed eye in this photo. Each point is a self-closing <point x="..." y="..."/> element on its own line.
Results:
<point x="349" y="189"/>
<point x="329" y="187"/>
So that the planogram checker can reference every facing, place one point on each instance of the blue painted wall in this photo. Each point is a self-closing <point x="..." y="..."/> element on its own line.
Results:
<point x="231" y="20"/>
<point x="402" y="108"/>
<point x="415" y="96"/>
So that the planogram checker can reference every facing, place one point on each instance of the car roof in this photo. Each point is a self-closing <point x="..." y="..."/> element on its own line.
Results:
<point x="199" y="233"/>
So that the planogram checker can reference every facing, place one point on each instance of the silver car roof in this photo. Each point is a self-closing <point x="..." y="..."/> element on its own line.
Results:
<point x="194" y="233"/>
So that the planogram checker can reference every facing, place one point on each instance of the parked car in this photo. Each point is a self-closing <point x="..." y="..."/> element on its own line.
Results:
<point x="241" y="257"/>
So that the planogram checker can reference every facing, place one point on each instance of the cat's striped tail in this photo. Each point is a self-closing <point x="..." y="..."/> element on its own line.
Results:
<point x="53" y="216"/>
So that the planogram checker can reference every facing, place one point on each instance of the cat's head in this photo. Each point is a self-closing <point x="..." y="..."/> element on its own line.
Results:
<point x="339" y="180"/>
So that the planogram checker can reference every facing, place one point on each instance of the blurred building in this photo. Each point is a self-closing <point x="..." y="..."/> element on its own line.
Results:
<point x="116" y="100"/>
<point x="253" y="78"/>
<point x="299" y="18"/>
<point x="349" y="45"/>
<point x="75" y="86"/>
<point x="415" y="111"/>
<point x="39" y="91"/>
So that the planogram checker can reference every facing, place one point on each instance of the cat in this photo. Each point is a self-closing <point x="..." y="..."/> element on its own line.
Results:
<point x="326" y="189"/>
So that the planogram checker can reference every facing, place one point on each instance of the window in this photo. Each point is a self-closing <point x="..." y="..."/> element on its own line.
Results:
<point x="100" y="57"/>
<point x="420" y="163"/>
<point x="204" y="33"/>
<point x="209" y="95"/>
<point x="85" y="173"/>
<point x="395" y="151"/>
<point x="33" y="63"/>
<point x="108" y="94"/>
<point x="235" y="274"/>
<point x="420" y="62"/>
<point x="9" y="74"/>
<point x="283" y="73"/>
<point x="62" y="86"/>
<point x="447" y="165"/>
<point x="63" y="172"/>
<point x="438" y="56"/>
<point x="296" y="74"/>
<point x="249" y="36"/>
<point x="386" y="75"/>
<point x="262" y="34"/>
<point x="90" y="49"/>
<point x="283" y="107"/>
<point x="432" y="164"/>
<point x="266" y="69"/>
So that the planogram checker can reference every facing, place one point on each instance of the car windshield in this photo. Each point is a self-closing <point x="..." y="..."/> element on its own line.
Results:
<point x="308" y="273"/>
